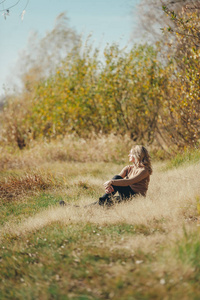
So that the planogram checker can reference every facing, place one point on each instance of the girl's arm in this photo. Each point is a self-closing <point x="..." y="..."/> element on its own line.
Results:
<point x="125" y="182"/>
<point x="123" y="172"/>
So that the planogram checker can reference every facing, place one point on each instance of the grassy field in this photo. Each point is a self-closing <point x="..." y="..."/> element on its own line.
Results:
<point x="145" y="249"/>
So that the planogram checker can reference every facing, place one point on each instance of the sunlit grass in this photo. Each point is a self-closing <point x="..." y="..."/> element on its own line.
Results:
<point x="189" y="156"/>
<point x="144" y="249"/>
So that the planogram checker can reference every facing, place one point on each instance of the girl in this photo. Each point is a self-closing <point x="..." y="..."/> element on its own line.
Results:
<point x="132" y="180"/>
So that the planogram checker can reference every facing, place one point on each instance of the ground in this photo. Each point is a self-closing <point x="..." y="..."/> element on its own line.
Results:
<point x="148" y="248"/>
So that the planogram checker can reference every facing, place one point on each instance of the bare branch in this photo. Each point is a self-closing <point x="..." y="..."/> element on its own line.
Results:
<point x="8" y="8"/>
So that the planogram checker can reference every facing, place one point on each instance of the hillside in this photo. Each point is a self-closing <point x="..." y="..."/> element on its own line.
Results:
<point x="147" y="248"/>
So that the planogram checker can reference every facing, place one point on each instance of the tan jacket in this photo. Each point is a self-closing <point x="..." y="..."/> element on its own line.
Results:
<point x="136" y="177"/>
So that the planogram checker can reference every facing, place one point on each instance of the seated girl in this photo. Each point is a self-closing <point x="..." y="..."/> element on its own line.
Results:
<point x="132" y="180"/>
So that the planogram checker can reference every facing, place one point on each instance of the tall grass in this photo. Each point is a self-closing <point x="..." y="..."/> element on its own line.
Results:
<point x="99" y="148"/>
<point x="189" y="156"/>
<point x="13" y="186"/>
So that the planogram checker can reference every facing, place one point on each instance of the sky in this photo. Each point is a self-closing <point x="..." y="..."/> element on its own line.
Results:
<point x="107" y="20"/>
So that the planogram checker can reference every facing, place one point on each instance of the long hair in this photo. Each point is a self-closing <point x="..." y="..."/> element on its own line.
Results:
<point x="142" y="157"/>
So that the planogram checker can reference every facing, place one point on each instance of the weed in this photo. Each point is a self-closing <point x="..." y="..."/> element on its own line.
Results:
<point x="13" y="186"/>
<point x="188" y="250"/>
<point x="189" y="156"/>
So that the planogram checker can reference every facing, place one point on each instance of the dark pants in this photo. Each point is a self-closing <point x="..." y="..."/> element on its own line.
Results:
<point x="125" y="192"/>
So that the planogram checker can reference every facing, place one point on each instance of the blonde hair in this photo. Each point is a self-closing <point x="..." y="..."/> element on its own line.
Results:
<point x="142" y="157"/>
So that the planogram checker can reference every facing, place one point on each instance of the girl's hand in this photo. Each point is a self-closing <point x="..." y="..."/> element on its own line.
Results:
<point x="109" y="189"/>
<point x="107" y="183"/>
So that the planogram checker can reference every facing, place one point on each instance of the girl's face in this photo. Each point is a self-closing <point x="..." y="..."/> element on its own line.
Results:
<point x="131" y="156"/>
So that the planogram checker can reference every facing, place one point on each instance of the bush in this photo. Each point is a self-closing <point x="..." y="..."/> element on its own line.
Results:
<point x="121" y="96"/>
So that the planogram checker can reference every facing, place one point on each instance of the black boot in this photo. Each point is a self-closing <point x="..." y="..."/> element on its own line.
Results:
<point x="102" y="200"/>
<point x="106" y="200"/>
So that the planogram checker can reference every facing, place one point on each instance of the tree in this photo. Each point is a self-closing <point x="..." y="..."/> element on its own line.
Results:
<point x="175" y="24"/>
<point x="152" y="18"/>
<point x="43" y="55"/>
<point x="37" y="62"/>
<point x="183" y="104"/>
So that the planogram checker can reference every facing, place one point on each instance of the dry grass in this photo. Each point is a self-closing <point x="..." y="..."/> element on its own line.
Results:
<point x="97" y="149"/>
<point x="171" y="203"/>
<point x="12" y="186"/>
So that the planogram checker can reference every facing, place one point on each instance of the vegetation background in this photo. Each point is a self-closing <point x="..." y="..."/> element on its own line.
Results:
<point x="69" y="130"/>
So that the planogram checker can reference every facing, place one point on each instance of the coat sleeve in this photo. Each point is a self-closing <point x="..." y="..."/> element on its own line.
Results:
<point x="124" y="171"/>
<point x="137" y="178"/>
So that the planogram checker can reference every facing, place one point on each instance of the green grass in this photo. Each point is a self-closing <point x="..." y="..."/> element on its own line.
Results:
<point x="20" y="209"/>
<point x="188" y="251"/>
<point x="71" y="262"/>
<point x="190" y="156"/>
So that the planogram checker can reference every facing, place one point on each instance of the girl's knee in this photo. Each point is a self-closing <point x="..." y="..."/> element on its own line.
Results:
<point x="117" y="177"/>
